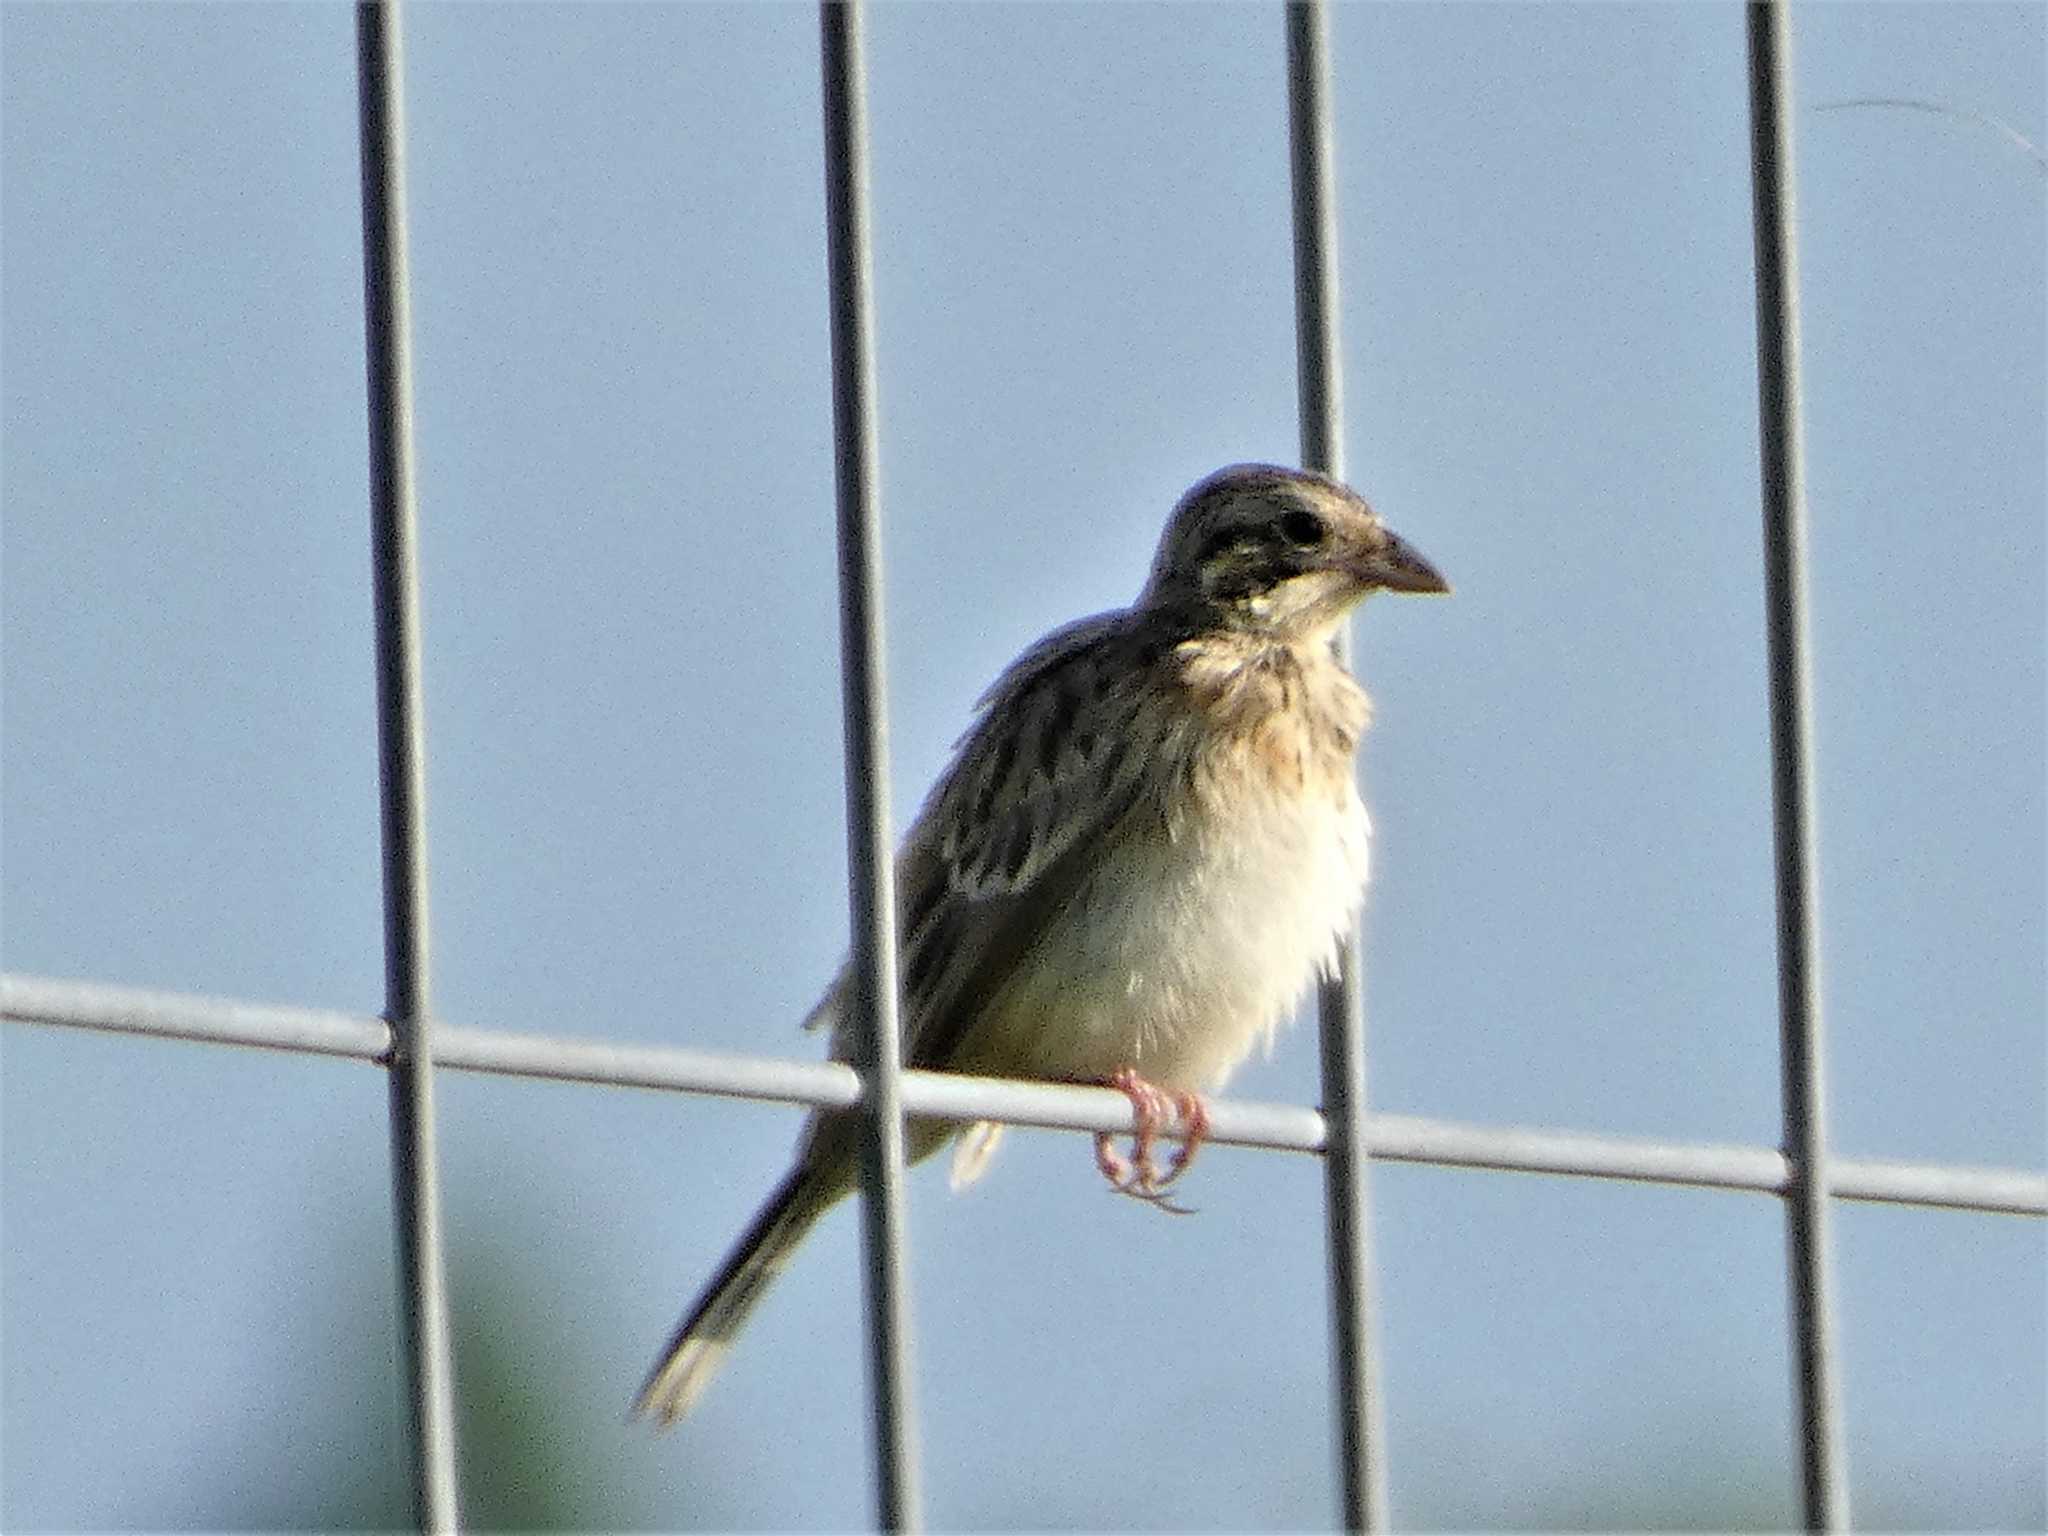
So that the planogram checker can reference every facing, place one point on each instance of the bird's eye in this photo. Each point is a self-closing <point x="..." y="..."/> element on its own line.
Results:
<point x="1302" y="527"/>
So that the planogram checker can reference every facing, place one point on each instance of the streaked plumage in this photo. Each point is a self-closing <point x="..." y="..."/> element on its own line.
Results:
<point x="1145" y="847"/>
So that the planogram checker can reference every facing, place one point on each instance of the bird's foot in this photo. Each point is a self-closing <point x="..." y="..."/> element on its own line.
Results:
<point x="1152" y="1107"/>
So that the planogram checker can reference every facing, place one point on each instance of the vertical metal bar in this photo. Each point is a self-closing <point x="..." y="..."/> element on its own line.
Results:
<point x="1361" y="1430"/>
<point x="423" y="1312"/>
<point x="869" y="865"/>
<point x="1823" y="1470"/>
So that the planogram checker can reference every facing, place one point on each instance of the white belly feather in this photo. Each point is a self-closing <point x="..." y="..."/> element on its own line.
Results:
<point x="1184" y="952"/>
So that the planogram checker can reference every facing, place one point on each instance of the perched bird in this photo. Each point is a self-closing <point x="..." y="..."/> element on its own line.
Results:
<point x="1144" y="849"/>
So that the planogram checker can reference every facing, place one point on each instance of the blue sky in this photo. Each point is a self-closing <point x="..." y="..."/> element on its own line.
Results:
<point x="1084" y="304"/>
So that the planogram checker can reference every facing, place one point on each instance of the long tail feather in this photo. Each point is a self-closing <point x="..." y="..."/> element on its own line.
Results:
<point x="698" y="1346"/>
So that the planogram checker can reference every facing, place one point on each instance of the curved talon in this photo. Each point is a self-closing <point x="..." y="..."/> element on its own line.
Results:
<point x="1114" y="1165"/>
<point x="1126" y="1183"/>
<point x="1157" y="1197"/>
<point x="1194" y="1120"/>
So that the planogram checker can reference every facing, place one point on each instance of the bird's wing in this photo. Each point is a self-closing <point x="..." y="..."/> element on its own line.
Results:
<point x="1060" y="766"/>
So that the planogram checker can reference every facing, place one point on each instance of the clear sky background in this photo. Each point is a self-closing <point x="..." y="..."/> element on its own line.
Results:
<point x="1084" y="303"/>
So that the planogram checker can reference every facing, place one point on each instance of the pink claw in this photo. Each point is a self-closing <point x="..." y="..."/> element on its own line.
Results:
<point x="1114" y="1165"/>
<point x="1152" y="1107"/>
<point x="1194" y="1120"/>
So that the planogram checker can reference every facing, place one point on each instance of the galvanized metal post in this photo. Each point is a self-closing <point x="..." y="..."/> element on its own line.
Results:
<point x="423" y="1313"/>
<point x="1361" y="1431"/>
<point x="1823" y="1470"/>
<point x="870" y="868"/>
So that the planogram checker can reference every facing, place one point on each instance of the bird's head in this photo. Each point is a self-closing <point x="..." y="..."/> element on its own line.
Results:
<point x="1284" y="552"/>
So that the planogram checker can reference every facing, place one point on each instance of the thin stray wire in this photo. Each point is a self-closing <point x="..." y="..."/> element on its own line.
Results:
<point x="1360" y="1417"/>
<point x="870" y="871"/>
<point x="1824" y="1479"/>
<point x="2020" y="141"/>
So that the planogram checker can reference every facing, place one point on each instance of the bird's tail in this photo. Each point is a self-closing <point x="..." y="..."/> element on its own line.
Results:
<point x="698" y="1346"/>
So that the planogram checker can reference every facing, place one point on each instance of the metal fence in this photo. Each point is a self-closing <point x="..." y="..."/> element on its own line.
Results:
<point x="1345" y="1132"/>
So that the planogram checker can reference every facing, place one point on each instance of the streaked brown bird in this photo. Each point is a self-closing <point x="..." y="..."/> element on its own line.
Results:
<point x="1143" y="851"/>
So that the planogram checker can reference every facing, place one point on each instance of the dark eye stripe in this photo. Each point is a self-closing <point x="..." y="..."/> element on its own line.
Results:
<point x="1252" y="538"/>
<point x="1302" y="527"/>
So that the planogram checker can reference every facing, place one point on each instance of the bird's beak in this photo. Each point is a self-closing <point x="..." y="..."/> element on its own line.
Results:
<point x="1397" y="567"/>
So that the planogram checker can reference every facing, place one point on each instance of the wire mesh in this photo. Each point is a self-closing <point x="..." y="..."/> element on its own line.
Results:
<point x="869" y="846"/>
<point x="1345" y="1133"/>
<point x="1048" y="1106"/>
<point x="402" y="770"/>
<point x="1823" y="1476"/>
<point x="1347" y="1212"/>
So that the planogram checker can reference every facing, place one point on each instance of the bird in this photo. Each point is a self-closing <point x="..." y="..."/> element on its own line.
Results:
<point x="1145" y="847"/>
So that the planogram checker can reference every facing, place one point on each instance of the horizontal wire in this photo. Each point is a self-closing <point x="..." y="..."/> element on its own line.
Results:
<point x="1050" y="1106"/>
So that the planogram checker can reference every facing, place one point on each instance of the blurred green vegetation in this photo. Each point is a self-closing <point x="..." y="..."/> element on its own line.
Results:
<point x="541" y="1451"/>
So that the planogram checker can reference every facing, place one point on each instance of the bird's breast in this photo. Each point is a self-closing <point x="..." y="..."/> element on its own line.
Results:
<point x="1197" y="934"/>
